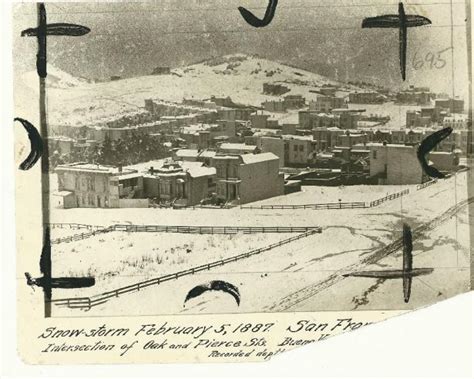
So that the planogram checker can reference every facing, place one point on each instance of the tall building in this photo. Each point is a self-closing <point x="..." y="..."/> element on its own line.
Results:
<point x="249" y="177"/>
<point x="395" y="164"/>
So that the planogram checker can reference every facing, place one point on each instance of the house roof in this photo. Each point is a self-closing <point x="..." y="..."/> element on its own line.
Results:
<point x="187" y="153"/>
<point x="197" y="171"/>
<point x="237" y="146"/>
<point x="129" y="175"/>
<point x="255" y="158"/>
<point x="93" y="168"/>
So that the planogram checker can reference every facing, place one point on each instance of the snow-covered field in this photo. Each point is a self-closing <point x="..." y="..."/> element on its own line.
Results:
<point x="118" y="259"/>
<point x="285" y="278"/>
<point x="320" y="194"/>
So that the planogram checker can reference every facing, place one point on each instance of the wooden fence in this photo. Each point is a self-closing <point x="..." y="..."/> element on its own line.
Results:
<point x="338" y="205"/>
<point x="89" y="302"/>
<point x="81" y="236"/>
<point x="427" y="184"/>
<point x="214" y="229"/>
<point x="179" y="229"/>
<point x="389" y="197"/>
<point x="74" y="226"/>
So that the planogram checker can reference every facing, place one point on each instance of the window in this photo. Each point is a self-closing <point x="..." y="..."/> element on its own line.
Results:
<point x="165" y="188"/>
<point x="295" y="147"/>
<point x="132" y="182"/>
<point x="374" y="154"/>
<point x="90" y="184"/>
<point x="301" y="147"/>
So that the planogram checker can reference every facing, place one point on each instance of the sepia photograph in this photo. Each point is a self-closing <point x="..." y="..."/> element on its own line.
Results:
<point x="199" y="168"/>
<point x="241" y="157"/>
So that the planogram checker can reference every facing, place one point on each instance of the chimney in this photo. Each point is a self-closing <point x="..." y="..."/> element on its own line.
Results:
<point x="119" y="168"/>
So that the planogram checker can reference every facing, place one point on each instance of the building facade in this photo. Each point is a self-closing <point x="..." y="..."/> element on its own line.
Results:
<point x="82" y="185"/>
<point x="249" y="177"/>
<point x="395" y="164"/>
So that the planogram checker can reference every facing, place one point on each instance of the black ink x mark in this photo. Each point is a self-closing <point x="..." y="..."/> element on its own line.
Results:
<point x="426" y="146"/>
<point x="36" y="145"/>
<point x="255" y="21"/>
<point x="43" y="30"/>
<point x="401" y="21"/>
<point x="407" y="273"/>
<point x="46" y="281"/>
<point x="215" y="285"/>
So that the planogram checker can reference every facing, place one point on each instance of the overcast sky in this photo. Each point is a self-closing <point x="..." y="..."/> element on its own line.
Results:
<point x="130" y="39"/>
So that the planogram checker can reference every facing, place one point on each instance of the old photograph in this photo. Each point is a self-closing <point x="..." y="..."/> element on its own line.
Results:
<point x="238" y="157"/>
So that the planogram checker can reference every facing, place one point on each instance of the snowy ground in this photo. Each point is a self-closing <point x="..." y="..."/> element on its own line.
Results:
<point x="290" y="277"/>
<point x="76" y="102"/>
<point x="320" y="194"/>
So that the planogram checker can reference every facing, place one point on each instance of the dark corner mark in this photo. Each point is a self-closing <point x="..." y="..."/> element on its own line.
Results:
<point x="43" y="30"/>
<point x="46" y="281"/>
<point x="255" y="21"/>
<point x="426" y="146"/>
<point x="36" y="144"/>
<point x="215" y="285"/>
<point x="407" y="273"/>
<point x="402" y="22"/>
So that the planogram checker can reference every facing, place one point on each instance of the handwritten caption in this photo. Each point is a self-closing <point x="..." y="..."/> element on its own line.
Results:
<point x="223" y="340"/>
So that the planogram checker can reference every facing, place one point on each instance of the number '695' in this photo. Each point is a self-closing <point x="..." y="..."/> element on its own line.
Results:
<point x="429" y="60"/>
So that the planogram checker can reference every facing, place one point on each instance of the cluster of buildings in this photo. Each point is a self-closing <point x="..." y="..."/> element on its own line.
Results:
<point x="446" y="112"/>
<point x="189" y="179"/>
<point x="415" y="95"/>
<point x="224" y="153"/>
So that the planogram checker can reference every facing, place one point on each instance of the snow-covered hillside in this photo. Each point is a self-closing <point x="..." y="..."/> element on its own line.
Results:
<point x="56" y="79"/>
<point x="239" y="76"/>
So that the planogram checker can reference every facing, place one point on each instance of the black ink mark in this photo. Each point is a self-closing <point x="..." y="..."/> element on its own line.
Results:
<point x="407" y="273"/>
<point x="46" y="281"/>
<point x="58" y="29"/>
<point x="43" y="30"/>
<point x="426" y="146"/>
<point x="36" y="144"/>
<point x="215" y="285"/>
<point x="255" y="21"/>
<point x="60" y="282"/>
<point x="401" y="21"/>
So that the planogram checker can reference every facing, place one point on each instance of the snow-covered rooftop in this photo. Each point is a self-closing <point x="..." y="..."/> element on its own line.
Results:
<point x="256" y="158"/>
